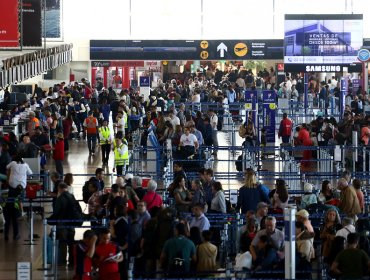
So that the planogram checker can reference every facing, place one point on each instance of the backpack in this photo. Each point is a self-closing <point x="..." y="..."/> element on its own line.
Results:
<point x="177" y="265"/>
<point x="85" y="192"/>
<point x="164" y="231"/>
<point x="239" y="163"/>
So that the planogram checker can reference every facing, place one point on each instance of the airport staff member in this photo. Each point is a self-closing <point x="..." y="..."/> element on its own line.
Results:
<point x="106" y="138"/>
<point x="121" y="155"/>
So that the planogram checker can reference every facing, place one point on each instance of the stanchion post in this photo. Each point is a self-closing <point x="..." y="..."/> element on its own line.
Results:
<point x="289" y="244"/>
<point x="354" y="152"/>
<point x="45" y="248"/>
<point x="54" y="263"/>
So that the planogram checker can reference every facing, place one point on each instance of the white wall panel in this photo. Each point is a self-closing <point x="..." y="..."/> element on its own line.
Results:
<point x="165" y="19"/>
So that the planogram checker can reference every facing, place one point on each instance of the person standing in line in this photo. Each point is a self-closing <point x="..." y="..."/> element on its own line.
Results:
<point x="108" y="257"/>
<point x="214" y="121"/>
<point x="106" y="138"/>
<point x="285" y="129"/>
<point x="84" y="252"/>
<point x="17" y="172"/>
<point x="91" y="124"/>
<point x="352" y="262"/>
<point x="121" y="124"/>
<point x="58" y="154"/>
<point x="121" y="155"/>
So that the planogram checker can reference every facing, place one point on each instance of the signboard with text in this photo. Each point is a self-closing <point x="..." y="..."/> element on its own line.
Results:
<point x="9" y="24"/>
<point x="322" y="38"/>
<point x="269" y="111"/>
<point x="250" y="103"/>
<point x="185" y="49"/>
<point x="31" y="22"/>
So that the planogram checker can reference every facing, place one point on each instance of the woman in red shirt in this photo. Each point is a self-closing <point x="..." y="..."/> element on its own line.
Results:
<point x="305" y="140"/>
<point x="151" y="197"/>
<point x="58" y="153"/>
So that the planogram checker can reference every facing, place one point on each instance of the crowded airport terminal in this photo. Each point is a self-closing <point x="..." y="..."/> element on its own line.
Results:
<point x="159" y="139"/>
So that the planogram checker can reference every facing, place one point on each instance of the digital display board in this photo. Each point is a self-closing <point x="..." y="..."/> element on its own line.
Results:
<point x="322" y="39"/>
<point x="185" y="49"/>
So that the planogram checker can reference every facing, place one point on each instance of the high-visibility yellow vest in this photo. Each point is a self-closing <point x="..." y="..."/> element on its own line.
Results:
<point x="120" y="159"/>
<point x="105" y="132"/>
<point x="125" y="118"/>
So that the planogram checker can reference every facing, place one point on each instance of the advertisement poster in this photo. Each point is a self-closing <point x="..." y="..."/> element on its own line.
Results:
<point x="9" y="24"/>
<point x="250" y="103"/>
<point x="53" y="18"/>
<point x="322" y="39"/>
<point x="31" y="13"/>
<point x="269" y="111"/>
<point x="356" y="84"/>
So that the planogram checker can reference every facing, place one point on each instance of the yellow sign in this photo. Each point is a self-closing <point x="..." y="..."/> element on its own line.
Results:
<point x="272" y="106"/>
<point x="248" y="106"/>
<point x="204" y="44"/>
<point x="204" y="55"/>
<point x="240" y="49"/>
<point x="164" y="62"/>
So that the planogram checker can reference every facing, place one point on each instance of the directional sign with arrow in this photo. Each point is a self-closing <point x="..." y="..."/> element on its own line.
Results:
<point x="222" y="48"/>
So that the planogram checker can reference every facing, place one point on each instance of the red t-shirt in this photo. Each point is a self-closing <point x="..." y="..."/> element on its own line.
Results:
<point x="152" y="199"/>
<point x="107" y="270"/>
<point x="58" y="153"/>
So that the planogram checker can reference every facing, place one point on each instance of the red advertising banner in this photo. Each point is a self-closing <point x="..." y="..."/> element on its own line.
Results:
<point x="9" y="23"/>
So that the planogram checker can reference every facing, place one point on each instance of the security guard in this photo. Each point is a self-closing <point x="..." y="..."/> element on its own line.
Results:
<point x="121" y="155"/>
<point x="106" y="138"/>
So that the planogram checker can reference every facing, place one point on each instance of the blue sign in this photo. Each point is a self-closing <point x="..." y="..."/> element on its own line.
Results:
<point x="269" y="111"/>
<point x="144" y="81"/>
<point x="363" y="55"/>
<point x="343" y="92"/>
<point x="250" y="103"/>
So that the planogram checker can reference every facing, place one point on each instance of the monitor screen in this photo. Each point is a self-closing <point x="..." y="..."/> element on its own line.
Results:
<point x="322" y="39"/>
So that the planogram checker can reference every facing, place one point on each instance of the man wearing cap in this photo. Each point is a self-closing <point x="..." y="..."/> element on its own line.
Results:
<point x="91" y="126"/>
<point x="58" y="153"/>
<point x="302" y="216"/>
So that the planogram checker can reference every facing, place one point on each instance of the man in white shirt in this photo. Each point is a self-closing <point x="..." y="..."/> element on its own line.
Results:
<point x="189" y="143"/>
<point x="199" y="220"/>
<point x="214" y="120"/>
<point x="174" y="119"/>
<point x="121" y="123"/>
<point x="348" y="228"/>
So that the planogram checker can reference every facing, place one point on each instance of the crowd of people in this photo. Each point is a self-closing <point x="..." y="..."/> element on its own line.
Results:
<point x="142" y="224"/>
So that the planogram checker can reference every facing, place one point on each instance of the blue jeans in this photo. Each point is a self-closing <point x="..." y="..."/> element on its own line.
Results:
<point x="91" y="142"/>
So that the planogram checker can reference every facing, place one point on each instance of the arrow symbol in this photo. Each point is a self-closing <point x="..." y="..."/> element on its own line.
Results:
<point x="222" y="48"/>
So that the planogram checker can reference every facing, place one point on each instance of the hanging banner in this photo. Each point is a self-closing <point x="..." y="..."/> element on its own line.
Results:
<point x="269" y="111"/>
<point x="31" y="12"/>
<point x="9" y="24"/>
<point x="53" y="18"/>
<point x="250" y="104"/>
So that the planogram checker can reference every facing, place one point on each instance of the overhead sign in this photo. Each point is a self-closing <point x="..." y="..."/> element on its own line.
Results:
<point x="31" y="19"/>
<point x="324" y="68"/>
<point x="9" y="24"/>
<point x="269" y="111"/>
<point x="363" y="55"/>
<point x="185" y="50"/>
<point x="144" y="81"/>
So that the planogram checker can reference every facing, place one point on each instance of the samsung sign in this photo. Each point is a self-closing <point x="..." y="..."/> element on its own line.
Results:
<point x="323" y="68"/>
